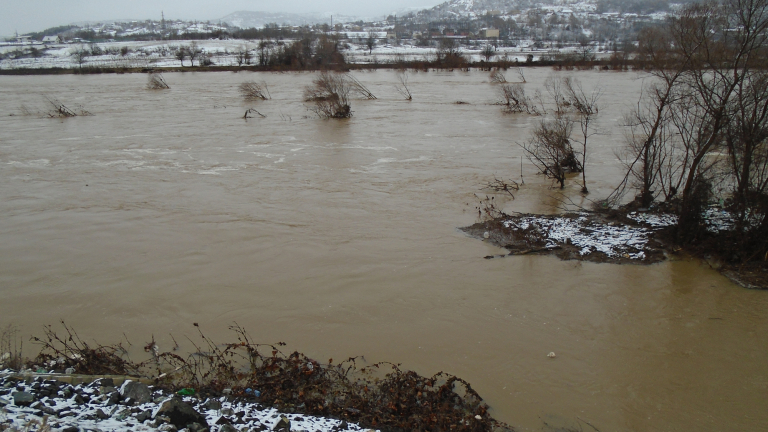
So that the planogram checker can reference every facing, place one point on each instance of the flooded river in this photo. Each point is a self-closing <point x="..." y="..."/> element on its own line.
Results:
<point x="340" y="238"/>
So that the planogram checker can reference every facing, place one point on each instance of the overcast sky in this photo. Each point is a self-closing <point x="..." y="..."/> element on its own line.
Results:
<point x="35" y="15"/>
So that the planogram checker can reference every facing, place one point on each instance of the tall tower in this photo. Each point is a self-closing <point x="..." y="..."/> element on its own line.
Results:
<point x="162" y="21"/>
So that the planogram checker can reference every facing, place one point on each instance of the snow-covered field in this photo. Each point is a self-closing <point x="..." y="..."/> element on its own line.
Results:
<point x="28" y="405"/>
<point x="224" y="53"/>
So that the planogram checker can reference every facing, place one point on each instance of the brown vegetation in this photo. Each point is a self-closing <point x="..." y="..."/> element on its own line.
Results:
<point x="379" y="395"/>
<point x="331" y="93"/>
<point x="155" y="81"/>
<point x="550" y="149"/>
<point x="252" y="90"/>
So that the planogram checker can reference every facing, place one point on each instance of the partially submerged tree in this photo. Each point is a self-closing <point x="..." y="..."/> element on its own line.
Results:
<point x="59" y="110"/>
<point x="550" y="149"/>
<point x="513" y="97"/>
<point x="586" y="109"/>
<point x="155" y="81"/>
<point x="252" y="90"/>
<point x="497" y="77"/>
<point x="402" y="87"/>
<point x="330" y="93"/>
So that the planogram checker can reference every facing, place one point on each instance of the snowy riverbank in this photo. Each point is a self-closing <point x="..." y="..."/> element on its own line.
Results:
<point x="34" y="403"/>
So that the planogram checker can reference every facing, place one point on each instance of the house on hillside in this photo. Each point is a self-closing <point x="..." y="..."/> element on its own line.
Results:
<point x="51" y="39"/>
<point x="489" y="33"/>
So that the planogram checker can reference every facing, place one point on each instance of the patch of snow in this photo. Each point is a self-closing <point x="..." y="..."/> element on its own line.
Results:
<point x="613" y="241"/>
<point x="654" y="220"/>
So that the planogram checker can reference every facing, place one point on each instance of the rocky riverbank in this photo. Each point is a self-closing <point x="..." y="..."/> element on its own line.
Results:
<point x="41" y="403"/>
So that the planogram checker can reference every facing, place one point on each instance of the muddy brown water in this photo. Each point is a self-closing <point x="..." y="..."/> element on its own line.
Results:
<point x="340" y="238"/>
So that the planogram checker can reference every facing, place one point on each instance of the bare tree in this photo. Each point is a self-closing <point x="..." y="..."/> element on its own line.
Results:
<point x="155" y="81"/>
<point x="488" y="52"/>
<point x="80" y="54"/>
<point x="520" y="75"/>
<point x="402" y="88"/>
<point x="586" y="108"/>
<point x="497" y="77"/>
<point x="550" y="149"/>
<point x="515" y="101"/>
<point x="708" y="106"/>
<point x="265" y="46"/>
<point x="243" y="55"/>
<point x="370" y="42"/>
<point x="330" y="92"/>
<point x="59" y="110"/>
<point x="553" y="85"/>
<point x="359" y="88"/>
<point x="252" y="90"/>
<point x="181" y="54"/>
<point x="193" y="51"/>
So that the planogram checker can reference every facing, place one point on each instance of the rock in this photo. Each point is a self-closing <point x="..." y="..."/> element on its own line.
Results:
<point x="197" y="427"/>
<point x="167" y="428"/>
<point x="283" y="425"/>
<point x="23" y="398"/>
<point x="223" y="421"/>
<point x="105" y="382"/>
<point x="106" y="390"/>
<point x="101" y="414"/>
<point x="71" y="429"/>
<point x="137" y="391"/>
<point x="143" y="416"/>
<point x="159" y="420"/>
<point x="180" y="413"/>
<point x="4" y="402"/>
<point x="228" y="411"/>
<point x="228" y="428"/>
<point x="114" y="398"/>
<point x="69" y="371"/>
<point x="212" y="404"/>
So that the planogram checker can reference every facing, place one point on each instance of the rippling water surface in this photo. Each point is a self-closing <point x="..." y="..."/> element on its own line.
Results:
<point x="340" y="238"/>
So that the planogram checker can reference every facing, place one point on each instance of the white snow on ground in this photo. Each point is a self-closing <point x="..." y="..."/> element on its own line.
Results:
<point x="100" y="415"/>
<point x="612" y="240"/>
<point x="717" y="219"/>
<point x="147" y="54"/>
<point x="654" y="220"/>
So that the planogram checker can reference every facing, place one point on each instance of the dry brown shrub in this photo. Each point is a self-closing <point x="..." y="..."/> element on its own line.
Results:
<point x="155" y="81"/>
<point x="251" y="90"/>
